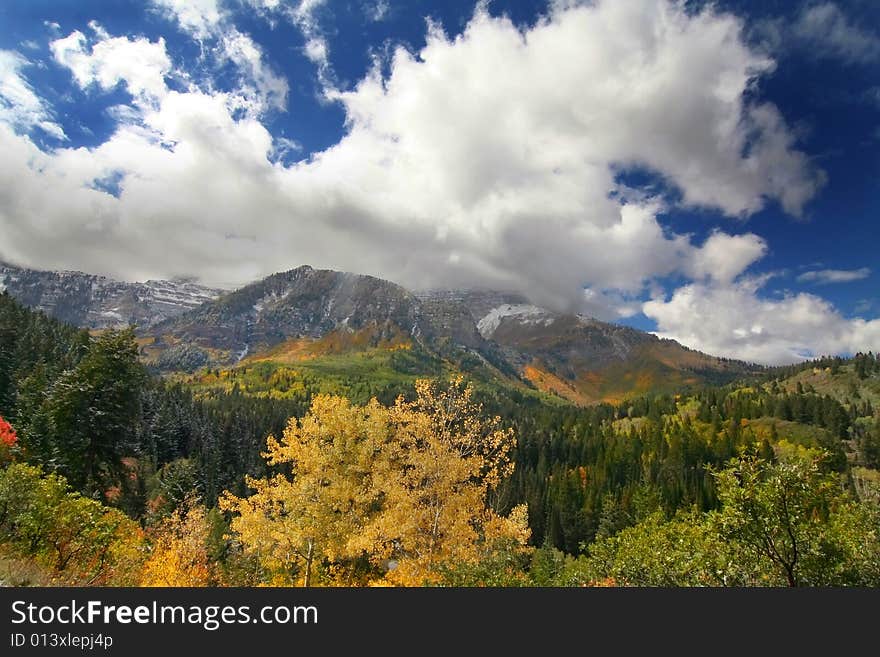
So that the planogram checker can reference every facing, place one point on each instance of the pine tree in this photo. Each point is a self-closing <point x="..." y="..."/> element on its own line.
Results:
<point x="93" y="409"/>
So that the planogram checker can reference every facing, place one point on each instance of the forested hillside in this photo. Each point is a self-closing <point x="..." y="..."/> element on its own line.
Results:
<point x="115" y="476"/>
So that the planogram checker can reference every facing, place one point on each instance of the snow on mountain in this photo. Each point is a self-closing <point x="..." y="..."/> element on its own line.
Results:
<point x="525" y="313"/>
<point x="98" y="302"/>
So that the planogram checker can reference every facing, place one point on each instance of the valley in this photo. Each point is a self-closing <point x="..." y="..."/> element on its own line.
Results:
<point x="615" y="446"/>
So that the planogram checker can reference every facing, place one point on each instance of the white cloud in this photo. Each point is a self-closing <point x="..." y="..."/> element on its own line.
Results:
<point x="259" y="82"/>
<point x="268" y="5"/>
<point x="824" y="276"/>
<point x="303" y="14"/>
<point x="199" y="18"/>
<point x="732" y="320"/>
<point x="20" y="107"/>
<point x="175" y="173"/>
<point x="304" y="10"/>
<point x="299" y="12"/>
<point x="139" y="63"/>
<point x="260" y="87"/>
<point x="486" y="159"/>
<point x="724" y="257"/>
<point x="609" y="305"/>
<point x="829" y="33"/>
<point x="723" y="312"/>
<point x="143" y="66"/>
<point x="282" y="146"/>
<point x="821" y="31"/>
<point x="317" y="49"/>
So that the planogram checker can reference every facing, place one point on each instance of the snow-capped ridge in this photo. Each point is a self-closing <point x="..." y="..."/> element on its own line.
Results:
<point x="524" y="312"/>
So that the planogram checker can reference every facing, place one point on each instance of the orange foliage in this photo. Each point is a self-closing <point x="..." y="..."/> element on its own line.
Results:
<point x="336" y="342"/>
<point x="608" y="582"/>
<point x="547" y="382"/>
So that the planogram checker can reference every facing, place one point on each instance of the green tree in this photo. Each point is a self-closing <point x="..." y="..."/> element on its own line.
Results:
<point x="78" y="540"/>
<point x="779" y="523"/>
<point x="93" y="410"/>
<point x="656" y="552"/>
<point x="171" y="486"/>
<point x="793" y="522"/>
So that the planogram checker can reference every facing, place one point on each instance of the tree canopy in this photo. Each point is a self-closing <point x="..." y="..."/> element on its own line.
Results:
<point x="373" y="492"/>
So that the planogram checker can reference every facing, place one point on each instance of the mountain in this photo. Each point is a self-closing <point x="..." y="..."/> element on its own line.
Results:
<point x="306" y="315"/>
<point x="97" y="302"/>
<point x="582" y="359"/>
<point x="318" y="319"/>
<point x="306" y="312"/>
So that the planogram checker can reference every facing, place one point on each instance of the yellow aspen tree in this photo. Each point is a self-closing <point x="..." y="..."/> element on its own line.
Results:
<point x="180" y="555"/>
<point x="298" y="522"/>
<point x="404" y="487"/>
<point x="434" y="478"/>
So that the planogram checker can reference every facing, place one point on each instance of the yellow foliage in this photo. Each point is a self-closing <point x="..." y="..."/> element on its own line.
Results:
<point x="294" y="523"/>
<point x="403" y="488"/>
<point x="180" y="556"/>
<point x="434" y="479"/>
<point x="549" y="382"/>
<point x="127" y="557"/>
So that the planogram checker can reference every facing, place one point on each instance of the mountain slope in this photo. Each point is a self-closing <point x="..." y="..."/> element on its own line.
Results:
<point x="585" y="360"/>
<point x="97" y="302"/>
<point x="308" y="315"/>
<point x="306" y="312"/>
<point x="324" y="317"/>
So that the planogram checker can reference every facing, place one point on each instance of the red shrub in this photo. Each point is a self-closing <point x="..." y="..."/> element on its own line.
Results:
<point x="8" y="437"/>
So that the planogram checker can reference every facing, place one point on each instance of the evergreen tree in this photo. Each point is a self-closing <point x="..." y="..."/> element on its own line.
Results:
<point x="93" y="410"/>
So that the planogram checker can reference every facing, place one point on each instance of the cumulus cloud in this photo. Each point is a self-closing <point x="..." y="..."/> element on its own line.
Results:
<point x="825" y="276"/>
<point x="724" y="257"/>
<point x="487" y="159"/>
<point x="139" y="63"/>
<point x="724" y="312"/>
<point x="20" y="107"/>
<point x="733" y="320"/>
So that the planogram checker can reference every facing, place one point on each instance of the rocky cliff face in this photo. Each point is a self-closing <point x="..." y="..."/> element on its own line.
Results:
<point x="312" y="303"/>
<point x="98" y="302"/>
<point x="580" y="358"/>
<point x="478" y="303"/>
<point x="526" y="331"/>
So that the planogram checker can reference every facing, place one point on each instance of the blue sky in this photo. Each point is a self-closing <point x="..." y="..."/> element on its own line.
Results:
<point x="706" y="172"/>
